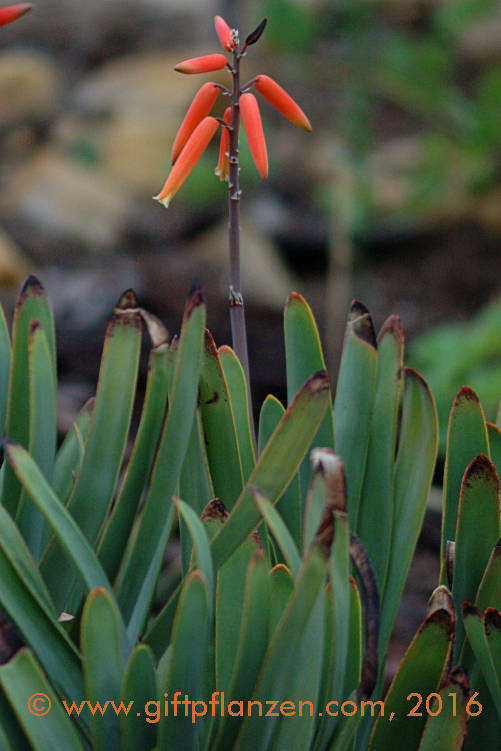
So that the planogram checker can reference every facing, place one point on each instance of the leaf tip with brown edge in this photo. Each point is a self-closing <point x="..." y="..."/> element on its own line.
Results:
<point x="215" y="509"/>
<point x="480" y="469"/>
<point x="441" y="610"/>
<point x="465" y="394"/>
<point x="392" y="327"/>
<point x="360" y="321"/>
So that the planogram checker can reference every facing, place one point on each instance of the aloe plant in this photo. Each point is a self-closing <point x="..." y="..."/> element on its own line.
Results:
<point x="294" y="549"/>
<point x="84" y="533"/>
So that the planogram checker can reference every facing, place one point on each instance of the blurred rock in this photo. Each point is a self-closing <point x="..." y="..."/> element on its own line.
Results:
<point x="29" y="87"/>
<point x="128" y="112"/>
<point x="55" y="207"/>
<point x="13" y="266"/>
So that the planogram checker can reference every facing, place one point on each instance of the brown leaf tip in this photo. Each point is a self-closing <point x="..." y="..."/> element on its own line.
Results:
<point x="330" y="466"/>
<point x="492" y="620"/>
<point x="127" y="301"/>
<point x="465" y="394"/>
<point x="215" y="509"/>
<point x="295" y="298"/>
<point x="441" y="608"/>
<point x="459" y="677"/>
<point x="318" y="382"/>
<point x="195" y="298"/>
<point x="468" y="608"/>
<point x="480" y="469"/>
<point x="392" y="327"/>
<point x="32" y="285"/>
<point x="361" y="323"/>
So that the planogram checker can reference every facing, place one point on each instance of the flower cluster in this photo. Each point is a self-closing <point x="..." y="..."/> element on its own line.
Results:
<point x="199" y="127"/>
<point x="11" y="13"/>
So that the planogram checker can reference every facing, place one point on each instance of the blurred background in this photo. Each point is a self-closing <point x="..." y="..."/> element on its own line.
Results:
<point x="395" y="198"/>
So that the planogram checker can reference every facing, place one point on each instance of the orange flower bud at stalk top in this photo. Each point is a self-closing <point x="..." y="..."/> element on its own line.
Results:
<point x="199" y="108"/>
<point x="12" y="12"/>
<point x="251" y="119"/>
<point x="223" y="164"/>
<point x="281" y="100"/>
<point x="204" y="64"/>
<point x="189" y="156"/>
<point x="224" y="34"/>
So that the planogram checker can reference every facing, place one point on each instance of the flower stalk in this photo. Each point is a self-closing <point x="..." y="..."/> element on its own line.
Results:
<point x="196" y="132"/>
<point x="236" y="300"/>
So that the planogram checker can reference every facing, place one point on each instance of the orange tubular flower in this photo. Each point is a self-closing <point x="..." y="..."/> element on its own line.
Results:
<point x="199" y="108"/>
<point x="224" y="34"/>
<point x="251" y="118"/>
<point x="223" y="165"/>
<point x="189" y="156"/>
<point x="204" y="64"/>
<point x="12" y="12"/>
<point x="281" y="100"/>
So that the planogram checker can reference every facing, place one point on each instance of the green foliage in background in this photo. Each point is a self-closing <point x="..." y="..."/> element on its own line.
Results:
<point x="453" y="355"/>
<point x="293" y="557"/>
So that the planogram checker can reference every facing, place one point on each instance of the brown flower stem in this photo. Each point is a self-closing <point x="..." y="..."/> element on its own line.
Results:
<point x="236" y="300"/>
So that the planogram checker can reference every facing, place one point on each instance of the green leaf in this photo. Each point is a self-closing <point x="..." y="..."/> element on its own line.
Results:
<point x="415" y="462"/>
<point x="189" y="648"/>
<point x="277" y="464"/>
<point x="200" y="543"/>
<point x="279" y="531"/>
<point x="278" y="670"/>
<point x="195" y="484"/>
<point x="492" y="625"/>
<point x="281" y="588"/>
<point x="22" y="679"/>
<point x="41" y="631"/>
<point x="252" y="644"/>
<point x="139" y="687"/>
<point x="477" y="638"/>
<point x="139" y="573"/>
<point x="295" y="732"/>
<point x="13" y="738"/>
<point x="15" y="549"/>
<point x="354" y="402"/>
<point x="5" y="357"/>
<point x="494" y="436"/>
<point x="103" y="668"/>
<point x="43" y="431"/>
<point x="235" y="378"/>
<point x="158" y="633"/>
<point x="76" y="548"/>
<point x="419" y="674"/>
<point x="339" y="575"/>
<point x="96" y="483"/>
<point x="354" y="656"/>
<point x="31" y="305"/>
<point x="478" y="530"/>
<point x="119" y="525"/>
<point x="376" y="505"/>
<point x="314" y="508"/>
<point x="303" y="358"/>
<point x="489" y="590"/>
<point x="219" y="428"/>
<point x="289" y="506"/>
<point x="446" y="729"/>
<point x="230" y="591"/>
<point x="466" y="438"/>
<point x="70" y="455"/>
